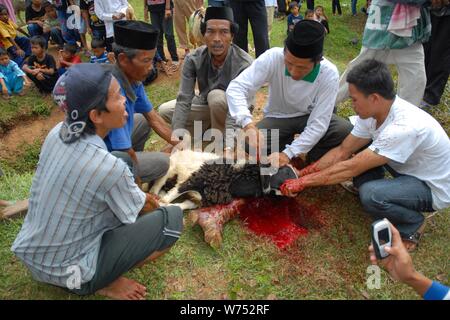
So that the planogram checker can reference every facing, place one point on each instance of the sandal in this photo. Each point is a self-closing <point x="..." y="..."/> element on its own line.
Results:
<point x="348" y="185"/>
<point x="415" y="237"/>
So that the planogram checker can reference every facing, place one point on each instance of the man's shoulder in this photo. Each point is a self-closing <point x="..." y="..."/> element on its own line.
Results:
<point x="329" y="67"/>
<point x="241" y="54"/>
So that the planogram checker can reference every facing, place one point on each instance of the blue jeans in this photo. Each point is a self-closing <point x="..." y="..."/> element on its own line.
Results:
<point x="401" y="200"/>
<point x="354" y="7"/>
<point x="24" y="44"/>
<point x="34" y="29"/>
<point x="216" y="3"/>
<point x="56" y="35"/>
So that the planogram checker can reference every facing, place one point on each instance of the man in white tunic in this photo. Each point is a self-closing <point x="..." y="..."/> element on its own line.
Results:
<point x="302" y="89"/>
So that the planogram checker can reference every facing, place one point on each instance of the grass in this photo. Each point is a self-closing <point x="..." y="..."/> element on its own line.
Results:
<point x="330" y="263"/>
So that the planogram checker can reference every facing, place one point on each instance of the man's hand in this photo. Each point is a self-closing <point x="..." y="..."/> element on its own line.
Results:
<point x="111" y="57"/>
<point x="118" y="16"/>
<point x="40" y="76"/>
<point x="292" y="187"/>
<point x="151" y="202"/>
<point x="278" y="159"/>
<point x="398" y="263"/>
<point x="167" y="14"/>
<point x="89" y="30"/>
<point x="256" y="139"/>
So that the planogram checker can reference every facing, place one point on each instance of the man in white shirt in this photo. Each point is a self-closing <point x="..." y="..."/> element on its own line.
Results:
<point x="403" y="139"/>
<point x="302" y="89"/>
<point x="110" y="11"/>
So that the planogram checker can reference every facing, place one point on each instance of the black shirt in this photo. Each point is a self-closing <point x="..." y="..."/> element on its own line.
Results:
<point x="30" y="14"/>
<point x="94" y="21"/>
<point x="47" y="63"/>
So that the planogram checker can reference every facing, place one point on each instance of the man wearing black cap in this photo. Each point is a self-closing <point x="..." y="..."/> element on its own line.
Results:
<point x="134" y="49"/>
<point x="213" y="67"/>
<point x="302" y="89"/>
<point x="85" y="226"/>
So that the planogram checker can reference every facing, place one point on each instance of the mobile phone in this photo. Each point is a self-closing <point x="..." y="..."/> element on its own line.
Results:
<point x="381" y="237"/>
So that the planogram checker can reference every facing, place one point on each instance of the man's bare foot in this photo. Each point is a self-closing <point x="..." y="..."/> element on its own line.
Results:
<point x="124" y="289"/>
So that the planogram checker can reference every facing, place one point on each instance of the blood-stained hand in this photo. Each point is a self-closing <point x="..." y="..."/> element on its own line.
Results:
<point x="291" y="187"/>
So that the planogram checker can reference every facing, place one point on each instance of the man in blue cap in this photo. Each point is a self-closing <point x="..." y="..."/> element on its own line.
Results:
<point x="86" y="225"/>
<point x="134" y="49"/>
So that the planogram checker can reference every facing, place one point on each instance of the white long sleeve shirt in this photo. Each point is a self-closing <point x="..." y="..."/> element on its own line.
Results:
<point x="105" y="9"/>
<point x="288" y="98"/>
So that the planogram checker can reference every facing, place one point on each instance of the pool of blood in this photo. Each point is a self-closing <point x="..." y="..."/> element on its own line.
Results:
<point x="279" y="218"/>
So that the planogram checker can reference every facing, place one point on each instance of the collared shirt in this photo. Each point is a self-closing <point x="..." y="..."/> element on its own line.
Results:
<point x="105" y="9"/>
<point x="79" y="192"/>
<point x="198" y="68"/>
<point x="288" y="98"/>
<point x="12" y="70"/>
<point x="137" y="102"/>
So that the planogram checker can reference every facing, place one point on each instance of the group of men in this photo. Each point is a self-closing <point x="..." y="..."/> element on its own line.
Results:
<point x="86" y="212"/>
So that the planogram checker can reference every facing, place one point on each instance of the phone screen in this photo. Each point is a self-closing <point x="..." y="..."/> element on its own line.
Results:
<point x="383" y="236"/>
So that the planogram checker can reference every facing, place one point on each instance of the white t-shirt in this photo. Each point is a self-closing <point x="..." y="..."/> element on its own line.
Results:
<point x="416" y="145"/>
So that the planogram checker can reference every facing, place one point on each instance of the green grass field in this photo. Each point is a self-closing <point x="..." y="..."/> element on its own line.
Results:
<point x="330" y="263"/>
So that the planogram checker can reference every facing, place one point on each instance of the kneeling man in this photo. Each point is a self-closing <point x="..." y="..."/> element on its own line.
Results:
<point x="302" y="89"/>
<point x="403" y="139"/>
<point x="85" y="225"/>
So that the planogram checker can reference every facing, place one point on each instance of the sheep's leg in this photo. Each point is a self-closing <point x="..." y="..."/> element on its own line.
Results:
<point x="185" y="205"/>
<point x="171" y="195"/>
<point x="213" y="219"/>
<point x="157" y="186"/>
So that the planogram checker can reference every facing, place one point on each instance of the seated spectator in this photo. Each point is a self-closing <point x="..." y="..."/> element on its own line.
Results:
<point x="52" y="29"/>
<point x="68" y="57"/>
<point x="12" y="78"/>
<point x="322" y="17"/>
<point x="40" y="66"/>
<point x="294" y="16"/>
<point x="17" y="47"/>
<point x="34" y="16"/>
<point x="100" y="55"/>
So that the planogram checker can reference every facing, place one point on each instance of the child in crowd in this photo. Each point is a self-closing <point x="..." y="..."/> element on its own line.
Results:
<point x="294" y="16"/>
<point x="100" y="55"/>
<point x="12" y="78"/>
<point x="322" y="17"/>
<point x="17" y="47"/>
<point x="310" y="15"/>
<point x="52" y="29"/>
<point x="34" y="16"/>
<point x="68" y="57"/>
<point x="95" y="26"/>
<point x="40" y="66"/>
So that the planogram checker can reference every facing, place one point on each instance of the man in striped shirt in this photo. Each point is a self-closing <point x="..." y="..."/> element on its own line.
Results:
<point x="85" y="226"/>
